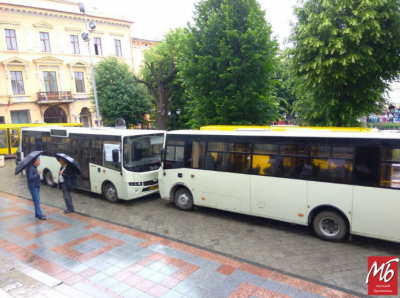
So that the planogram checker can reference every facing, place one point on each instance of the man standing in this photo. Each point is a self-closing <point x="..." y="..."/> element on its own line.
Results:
<point x="66" y="181"/>
<point x="33" y="175"/>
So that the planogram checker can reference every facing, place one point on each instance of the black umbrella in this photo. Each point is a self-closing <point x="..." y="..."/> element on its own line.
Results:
<point x="27" y="161"/>
<point x="70" y="161"/>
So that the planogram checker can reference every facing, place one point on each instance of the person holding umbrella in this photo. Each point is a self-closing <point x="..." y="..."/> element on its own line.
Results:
<point x="33" y="175"/>
<point x="31" y="162"/>
<point x="66" y="181"/>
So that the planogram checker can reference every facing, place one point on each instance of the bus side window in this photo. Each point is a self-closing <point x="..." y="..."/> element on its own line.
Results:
<point x="14" y="138"/>
<point x="46" y="145"/>
<point x="228" y="157"/>
<point x="174" y="154"/>
<point x="366" y="166"/>
<point x="96" y="154"/>
<point x="390" y="169"/>
<point x="331" y="164"/>
<point x="3" y="139"/>
<point x="198" y="155"/>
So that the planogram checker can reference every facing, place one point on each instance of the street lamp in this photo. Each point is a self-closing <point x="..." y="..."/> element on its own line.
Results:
<point x="86" y="38"/>
<point x="174" y="116"/>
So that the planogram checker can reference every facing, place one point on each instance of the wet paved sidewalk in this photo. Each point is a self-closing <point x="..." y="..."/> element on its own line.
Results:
<point x="101" y="259"/>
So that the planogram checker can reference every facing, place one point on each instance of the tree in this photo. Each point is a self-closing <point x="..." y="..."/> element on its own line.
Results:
<point x="119" y="95"/>
<point x="227" y="62"/>
<point x="289" y="91"/>
<point x="159" y="74"/>
<point x="346" y="53"/>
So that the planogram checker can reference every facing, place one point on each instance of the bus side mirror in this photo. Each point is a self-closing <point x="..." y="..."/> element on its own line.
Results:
<point x="162" y="155"/>
<point x="115" y="155"/>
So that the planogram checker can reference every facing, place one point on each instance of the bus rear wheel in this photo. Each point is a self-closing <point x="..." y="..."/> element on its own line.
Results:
<point x="110" y="193"/>
<point x="329" y="225"/>
<point x="183" y="199"/>
<point x="48" y="177"/>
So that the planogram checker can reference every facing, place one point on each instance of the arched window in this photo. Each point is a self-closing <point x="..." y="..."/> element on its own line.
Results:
<point x="85" y="117"/>
<point x="55" y="115"/>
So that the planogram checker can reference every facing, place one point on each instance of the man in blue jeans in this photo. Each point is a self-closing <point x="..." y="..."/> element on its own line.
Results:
<point x="33" y="175"/>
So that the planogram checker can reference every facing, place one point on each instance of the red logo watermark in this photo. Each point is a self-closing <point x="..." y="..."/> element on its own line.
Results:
<point x="382" y="278"/>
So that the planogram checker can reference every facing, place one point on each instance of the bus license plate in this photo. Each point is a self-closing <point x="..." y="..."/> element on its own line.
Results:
<point x="153" y="187"/>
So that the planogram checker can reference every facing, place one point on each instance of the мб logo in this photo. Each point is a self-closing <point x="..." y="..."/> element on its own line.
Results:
<point x="382" y="278"/>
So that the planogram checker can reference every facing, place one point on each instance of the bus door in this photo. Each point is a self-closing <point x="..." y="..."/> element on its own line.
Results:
<point x="375" y="208"/>
<point x="217" y="174"/>
<point x="80" y="152"/>
<point x="3" y="142"/>
<point x="13" y="140"/>
<point x="173" y="165"/>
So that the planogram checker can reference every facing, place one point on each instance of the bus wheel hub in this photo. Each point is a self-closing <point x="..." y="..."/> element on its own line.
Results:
<point x="183" y="200"/>
<point x="329" y="227"/>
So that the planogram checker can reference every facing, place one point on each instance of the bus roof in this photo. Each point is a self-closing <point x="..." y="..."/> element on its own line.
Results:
<point x="286" y="127"/>
<point x="291" y="133"/>
<point x="24" y="125"/>
<point x="110" y="131"/>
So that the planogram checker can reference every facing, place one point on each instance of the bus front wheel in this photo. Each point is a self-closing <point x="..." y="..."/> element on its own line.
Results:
<point x="183" y="199"/>
<point x="110" y="193"/>
<point x="48" y="177"/>
<point x="329" y="225"/>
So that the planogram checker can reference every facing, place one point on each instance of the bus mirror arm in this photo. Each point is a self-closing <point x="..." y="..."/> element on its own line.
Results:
<point x="163" y="160"/>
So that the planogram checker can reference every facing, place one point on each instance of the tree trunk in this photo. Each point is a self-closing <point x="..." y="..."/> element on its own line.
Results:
<point x="162" y="119"/>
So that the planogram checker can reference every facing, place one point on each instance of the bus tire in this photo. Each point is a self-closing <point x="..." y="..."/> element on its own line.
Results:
<point x="48" y="177"/>
<point x="329" y="225"/>
<point x="110" y="193"/>
<point x="183" y="199"/>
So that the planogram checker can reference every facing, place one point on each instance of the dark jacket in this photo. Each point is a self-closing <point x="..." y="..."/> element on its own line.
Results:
<point x="33" y="177"/>
<point x="69" y="177"/>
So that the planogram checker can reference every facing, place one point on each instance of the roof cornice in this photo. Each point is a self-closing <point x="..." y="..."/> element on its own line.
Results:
<point x="62" y="14"/>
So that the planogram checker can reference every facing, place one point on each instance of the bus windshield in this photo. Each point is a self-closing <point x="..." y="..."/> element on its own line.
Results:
<point x="142" y="154"/>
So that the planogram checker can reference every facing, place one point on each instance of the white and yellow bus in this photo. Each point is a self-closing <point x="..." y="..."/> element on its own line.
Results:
<point x="340" y="183"/>
<point x="118" y="163"/>
<point x="10" y="135"/>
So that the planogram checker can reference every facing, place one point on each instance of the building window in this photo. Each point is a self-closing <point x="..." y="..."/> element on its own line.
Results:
<point x="2" y="120"/>
<point x="97" y="46"/>
<point x="17" y="82"/>
<point x="11" y="40"/>
<point x="45" y="42"/>
<point x="20" y="117"/>
<point x="50" y="81"/>
<point x="79" y="82"/>
<point x="75" y="44"/>
<point x="118" y="51"/>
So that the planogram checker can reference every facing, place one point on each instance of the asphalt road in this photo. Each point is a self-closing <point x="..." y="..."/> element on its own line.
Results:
<point x="290" y="248"/>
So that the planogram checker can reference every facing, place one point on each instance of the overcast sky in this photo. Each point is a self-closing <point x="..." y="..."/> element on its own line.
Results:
<point x="153" y="18"/>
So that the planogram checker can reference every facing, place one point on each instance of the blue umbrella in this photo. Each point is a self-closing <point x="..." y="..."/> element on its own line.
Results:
<point x="70" y="161"/>
<point x="27" y="161"/>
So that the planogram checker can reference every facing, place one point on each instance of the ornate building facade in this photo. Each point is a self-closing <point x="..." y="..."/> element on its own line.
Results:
<point x="44" y="63"/>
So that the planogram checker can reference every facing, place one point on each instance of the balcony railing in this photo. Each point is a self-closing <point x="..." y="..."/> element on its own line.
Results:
<point x="56" y="96"/>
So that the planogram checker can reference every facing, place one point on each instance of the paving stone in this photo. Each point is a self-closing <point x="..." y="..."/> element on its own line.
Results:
<point x="183" y="288"/>
<point x="109" y="282"/>
<point x="132" y="293"/>
<point x="172" y="294"/>
<point x="146" y="272"/>
<point x="120" y="288"/>
<point x="90" y="290"/>
<point x="268" y="242"/>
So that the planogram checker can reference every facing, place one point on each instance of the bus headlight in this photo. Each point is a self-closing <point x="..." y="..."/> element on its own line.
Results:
<point x="135" y="183"/>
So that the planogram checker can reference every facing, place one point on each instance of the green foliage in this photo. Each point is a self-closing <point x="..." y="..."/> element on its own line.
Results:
<point x="119" y="95"/>
<point x="159" y="74"/>
<point x="346" y="53"/>
<point x="226" y="64"/>
<point x="288" y="88"/>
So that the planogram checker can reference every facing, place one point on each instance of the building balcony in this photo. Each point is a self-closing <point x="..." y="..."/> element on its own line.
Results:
<point x="55" y="97"/>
